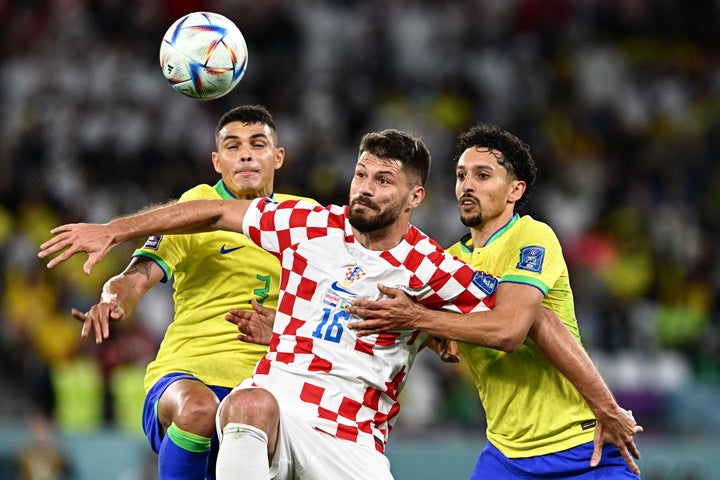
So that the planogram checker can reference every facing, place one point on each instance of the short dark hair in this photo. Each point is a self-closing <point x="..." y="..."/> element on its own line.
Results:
<point x="247" y="114"/>
<point x="402" y="146"/>
<point x="514" y="154"/>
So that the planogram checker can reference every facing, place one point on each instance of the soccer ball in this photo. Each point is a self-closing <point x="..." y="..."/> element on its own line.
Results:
<point x="203" y="55"/>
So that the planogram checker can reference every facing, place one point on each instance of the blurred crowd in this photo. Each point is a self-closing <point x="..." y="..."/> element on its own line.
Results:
<point x="619" y="101"/>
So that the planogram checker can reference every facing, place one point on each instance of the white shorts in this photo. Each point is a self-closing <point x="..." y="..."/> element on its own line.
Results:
<point x="309" y="454"/>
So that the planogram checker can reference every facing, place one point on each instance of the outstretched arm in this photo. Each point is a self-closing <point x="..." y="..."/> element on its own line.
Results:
<point x="98" y="239"/>
<point x="517" y="314"/>
<point x="505" y="327"/>
<point x="120" y="295"/>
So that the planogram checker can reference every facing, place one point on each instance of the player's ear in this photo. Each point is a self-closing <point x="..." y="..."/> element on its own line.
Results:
<point x="417" y="194"/>
<point x="279" y="157"/>
<point x="216" y="161"/>
<point x="517" y="189"/>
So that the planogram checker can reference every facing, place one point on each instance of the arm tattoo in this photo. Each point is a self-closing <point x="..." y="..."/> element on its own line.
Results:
<point x="140" y="266"/>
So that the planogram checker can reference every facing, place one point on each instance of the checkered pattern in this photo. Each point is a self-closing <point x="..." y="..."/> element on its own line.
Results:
<point x="345" y="385"/>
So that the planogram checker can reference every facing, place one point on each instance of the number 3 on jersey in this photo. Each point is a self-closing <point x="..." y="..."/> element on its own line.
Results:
<point x="332" y="325"/>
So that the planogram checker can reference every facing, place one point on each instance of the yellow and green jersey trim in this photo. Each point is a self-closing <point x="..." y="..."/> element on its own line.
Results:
<point x="466" y="247"/>
<point x="531" y="408"/>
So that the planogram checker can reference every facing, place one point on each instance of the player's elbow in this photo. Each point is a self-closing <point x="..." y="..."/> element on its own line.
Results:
<point x="510" y="340"/>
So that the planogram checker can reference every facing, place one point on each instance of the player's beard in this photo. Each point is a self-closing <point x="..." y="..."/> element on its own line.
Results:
<point x="473" y="219"/>
<point x="366" y="222"/>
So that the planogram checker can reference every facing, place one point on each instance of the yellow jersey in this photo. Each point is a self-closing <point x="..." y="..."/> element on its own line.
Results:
<point x="213" y="272"/>
<point x="531" y="408"/>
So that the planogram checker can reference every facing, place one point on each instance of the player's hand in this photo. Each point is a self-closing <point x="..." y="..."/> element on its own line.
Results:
<point x="91" y="238"/>
<point x="617" y="429"/>
<point x="397" y="312"/>
<point x="447" y="350"/>
<point x="98" y="319"/>
<point x="254" y="326"/>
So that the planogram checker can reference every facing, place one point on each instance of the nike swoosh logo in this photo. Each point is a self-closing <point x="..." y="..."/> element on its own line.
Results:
<point x="224" y="250"/>
<point x="336" y="286"/>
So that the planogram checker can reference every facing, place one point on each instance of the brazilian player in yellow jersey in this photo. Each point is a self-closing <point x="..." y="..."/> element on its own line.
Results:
<point x="201" y="359"/>
<point x="541" y="422"/>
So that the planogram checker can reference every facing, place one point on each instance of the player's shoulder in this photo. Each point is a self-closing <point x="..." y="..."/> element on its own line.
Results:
<point x="529" y="226"/>
<point x="281" y="197"/>
<point x="199" y="192"/>
<point x="421" y="242"/>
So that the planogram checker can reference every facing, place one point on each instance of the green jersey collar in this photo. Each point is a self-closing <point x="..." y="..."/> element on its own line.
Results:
<point x="225" y="194"/>
<point x="466" y="240"/>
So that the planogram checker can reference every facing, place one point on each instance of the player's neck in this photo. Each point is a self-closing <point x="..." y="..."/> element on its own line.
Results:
<point x="383" y="239"/>
<point x="251" y="195"/>
<point x="480" y="234"/>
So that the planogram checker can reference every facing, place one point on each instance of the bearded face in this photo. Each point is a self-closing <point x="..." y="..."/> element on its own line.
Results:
<point x="368" y="216"/>
<point x="470" y="210"/>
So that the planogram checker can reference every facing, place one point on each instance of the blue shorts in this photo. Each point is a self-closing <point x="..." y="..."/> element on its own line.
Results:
<point x="573" y="463"/>
<point x="151" y="423"/>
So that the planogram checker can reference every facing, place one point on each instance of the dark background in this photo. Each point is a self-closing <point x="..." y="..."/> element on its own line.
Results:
<point x="618" y="100"/>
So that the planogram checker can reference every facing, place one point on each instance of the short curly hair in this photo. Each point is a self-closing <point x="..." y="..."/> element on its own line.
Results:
<point x="514" y="154"/>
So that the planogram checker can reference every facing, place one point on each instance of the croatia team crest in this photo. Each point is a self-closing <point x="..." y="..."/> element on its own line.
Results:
<point x="352" y="275"/>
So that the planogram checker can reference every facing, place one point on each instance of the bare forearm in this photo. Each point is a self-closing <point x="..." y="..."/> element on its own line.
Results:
<point x="571" y="359"/>
<point x="120" y="290"/>
<point x="97" y="240"/>
<point x="480" y="328"/>
<point x="127" y="288"/>
<point x="187" y="217"/>
<point x="503" y="328"/>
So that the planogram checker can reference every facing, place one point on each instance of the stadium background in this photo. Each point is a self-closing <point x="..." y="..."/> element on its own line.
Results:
<point x="619" y="101"/>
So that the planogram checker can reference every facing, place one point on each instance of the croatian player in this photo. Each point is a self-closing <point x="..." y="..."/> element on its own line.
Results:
<point x="322" y="402"/>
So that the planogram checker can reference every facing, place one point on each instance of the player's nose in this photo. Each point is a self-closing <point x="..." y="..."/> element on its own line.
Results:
<point x="246" y="154"/>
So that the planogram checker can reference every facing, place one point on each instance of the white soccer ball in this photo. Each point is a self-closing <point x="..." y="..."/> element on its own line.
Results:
<point x="203" y="55"/>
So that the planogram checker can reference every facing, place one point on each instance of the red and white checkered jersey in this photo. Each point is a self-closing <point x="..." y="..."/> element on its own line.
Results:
<point x="343" y="384"/>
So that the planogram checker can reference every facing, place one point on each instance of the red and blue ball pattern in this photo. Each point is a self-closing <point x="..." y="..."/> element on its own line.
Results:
<point x="203" y="55"/>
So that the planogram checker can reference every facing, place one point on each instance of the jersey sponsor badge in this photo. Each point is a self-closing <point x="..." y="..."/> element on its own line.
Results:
<point x="487" y="283"/>
<point x="153" y="242"/>
<point x="531" y="259"/>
